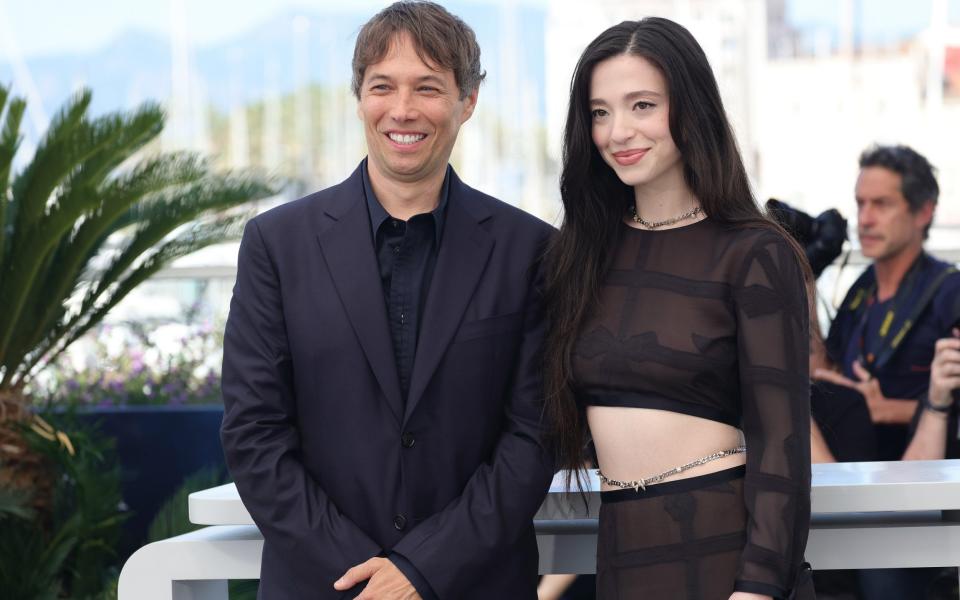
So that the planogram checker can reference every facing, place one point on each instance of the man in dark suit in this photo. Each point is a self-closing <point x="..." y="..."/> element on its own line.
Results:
<point x="381" y="371"/>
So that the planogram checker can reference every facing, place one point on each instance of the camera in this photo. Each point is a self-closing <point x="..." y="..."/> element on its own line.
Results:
<point x="821" y="237"/>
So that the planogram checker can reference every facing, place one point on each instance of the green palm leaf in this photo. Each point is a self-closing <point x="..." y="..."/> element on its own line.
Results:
<point x="9" y="141"/>
<point x="93" y="215"/>
<point x="14" y="503"/>
<point x="75" y="251"/>
<point x="80" y="154"/>
<point x="193" y="238"/>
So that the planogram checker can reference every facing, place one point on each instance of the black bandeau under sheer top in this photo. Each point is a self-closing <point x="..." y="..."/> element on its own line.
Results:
<point x="690" y="318"/>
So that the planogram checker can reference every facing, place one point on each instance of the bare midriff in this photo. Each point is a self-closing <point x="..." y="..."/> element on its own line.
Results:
<point x="636" y="443"/>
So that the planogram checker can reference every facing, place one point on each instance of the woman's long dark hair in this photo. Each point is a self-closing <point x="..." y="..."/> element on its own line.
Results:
<point x="595" y="200"/>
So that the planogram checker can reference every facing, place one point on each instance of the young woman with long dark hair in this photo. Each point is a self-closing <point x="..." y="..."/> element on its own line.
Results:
<point x="679" y="339"/>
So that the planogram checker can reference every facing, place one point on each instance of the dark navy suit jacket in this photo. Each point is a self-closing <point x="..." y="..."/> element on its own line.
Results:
<point x="330" y="463"/>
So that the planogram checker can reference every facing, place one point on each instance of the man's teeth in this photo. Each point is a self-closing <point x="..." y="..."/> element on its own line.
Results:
<point x="408" y="138"/>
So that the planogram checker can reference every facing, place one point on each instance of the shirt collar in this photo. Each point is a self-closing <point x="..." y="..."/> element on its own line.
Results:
<point x="378" y="214"/>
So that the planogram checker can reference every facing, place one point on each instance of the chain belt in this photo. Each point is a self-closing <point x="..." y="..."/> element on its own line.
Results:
<point x="641" y="484"/>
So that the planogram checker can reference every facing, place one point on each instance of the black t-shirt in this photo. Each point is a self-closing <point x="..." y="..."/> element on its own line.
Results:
<point x="855" y="334"/>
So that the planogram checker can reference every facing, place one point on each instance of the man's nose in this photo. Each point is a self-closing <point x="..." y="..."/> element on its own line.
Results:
<point x="404" y="109"/>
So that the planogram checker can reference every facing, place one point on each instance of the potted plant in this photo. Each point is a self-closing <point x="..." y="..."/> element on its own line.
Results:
<point x="94" y="212"/>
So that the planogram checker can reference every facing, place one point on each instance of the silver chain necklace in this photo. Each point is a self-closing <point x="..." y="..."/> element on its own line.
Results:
<point x="638" y="219"/>
<point x="641" y="484"/>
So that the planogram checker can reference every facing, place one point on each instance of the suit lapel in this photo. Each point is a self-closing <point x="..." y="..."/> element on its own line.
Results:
<point x="348" y="251"/>
<point x="464" y="251"/>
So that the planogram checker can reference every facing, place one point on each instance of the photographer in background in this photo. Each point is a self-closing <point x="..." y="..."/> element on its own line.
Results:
<point x="881" y="343"/>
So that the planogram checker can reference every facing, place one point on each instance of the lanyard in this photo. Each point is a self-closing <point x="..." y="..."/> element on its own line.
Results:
<point x="883" y="345"/>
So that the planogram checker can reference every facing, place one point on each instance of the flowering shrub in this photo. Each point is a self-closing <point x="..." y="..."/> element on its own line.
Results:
<point x="122" y="365"/>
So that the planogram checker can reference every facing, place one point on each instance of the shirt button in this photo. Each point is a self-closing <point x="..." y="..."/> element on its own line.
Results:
<point x="395" y="223"/>
<point x="399" y="522"/>
<point x="408" y="440"/>
<point x="396" y="249"/>
<point x="401" y="318"/>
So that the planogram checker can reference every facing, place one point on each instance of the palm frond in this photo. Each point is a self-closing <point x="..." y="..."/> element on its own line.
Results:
<point x="61" y="217"/>
<point x="115" y="137"/>
<point x="164" y="214"/>
<point x="86" y="152"/>
<point x="28" y="568"/>
<point x="64" y="145"/>
<point x="192" y="238"/>
<point x="162" y="174"/>
<point x="14" y="503"/>
<point x="172" y="518"/>
<point x="9" y="142"/>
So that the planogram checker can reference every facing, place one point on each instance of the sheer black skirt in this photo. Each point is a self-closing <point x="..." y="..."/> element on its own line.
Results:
<point x="679" y="540"/>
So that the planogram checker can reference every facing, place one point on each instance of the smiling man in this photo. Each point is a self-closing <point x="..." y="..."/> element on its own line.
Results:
<point x="381" y="372"/>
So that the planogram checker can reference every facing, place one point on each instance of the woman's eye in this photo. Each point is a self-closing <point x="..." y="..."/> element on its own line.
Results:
<point x="598" y="113"/>
<point x="643" y="105"/>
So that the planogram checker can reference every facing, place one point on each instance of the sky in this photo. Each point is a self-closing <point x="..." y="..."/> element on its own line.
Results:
<point x="85" y="26"/>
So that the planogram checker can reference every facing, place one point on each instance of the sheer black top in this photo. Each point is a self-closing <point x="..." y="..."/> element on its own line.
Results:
<point x="711" y="321"/>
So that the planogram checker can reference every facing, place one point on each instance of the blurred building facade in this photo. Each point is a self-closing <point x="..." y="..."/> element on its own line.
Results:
<point x="804" y="102"/>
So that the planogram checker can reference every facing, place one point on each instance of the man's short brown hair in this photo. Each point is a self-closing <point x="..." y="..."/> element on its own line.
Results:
<point x="441" y="39"/>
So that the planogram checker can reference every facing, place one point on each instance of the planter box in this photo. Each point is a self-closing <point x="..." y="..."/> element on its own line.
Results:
<point x="157" y="447"/>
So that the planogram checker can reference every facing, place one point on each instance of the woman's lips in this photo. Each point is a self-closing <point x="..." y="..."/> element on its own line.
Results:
<point x="629" y="157"/>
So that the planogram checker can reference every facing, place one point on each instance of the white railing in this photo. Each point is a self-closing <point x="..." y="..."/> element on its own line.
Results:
<point x="865" y="515"/>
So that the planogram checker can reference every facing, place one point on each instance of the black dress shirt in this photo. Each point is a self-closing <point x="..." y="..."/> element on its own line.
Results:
<point x="406" y="253"/>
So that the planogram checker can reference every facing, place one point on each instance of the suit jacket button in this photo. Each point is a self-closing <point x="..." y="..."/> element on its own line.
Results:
<point x="408" y="440"/>
<point x="399" y="522"/>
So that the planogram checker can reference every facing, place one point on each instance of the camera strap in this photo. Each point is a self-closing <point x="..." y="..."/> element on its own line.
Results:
<point x="907" y="305"/>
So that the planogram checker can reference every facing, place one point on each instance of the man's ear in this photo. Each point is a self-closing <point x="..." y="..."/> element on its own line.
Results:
<point x="469" y="104"/>
<point x="925" y="214"/>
